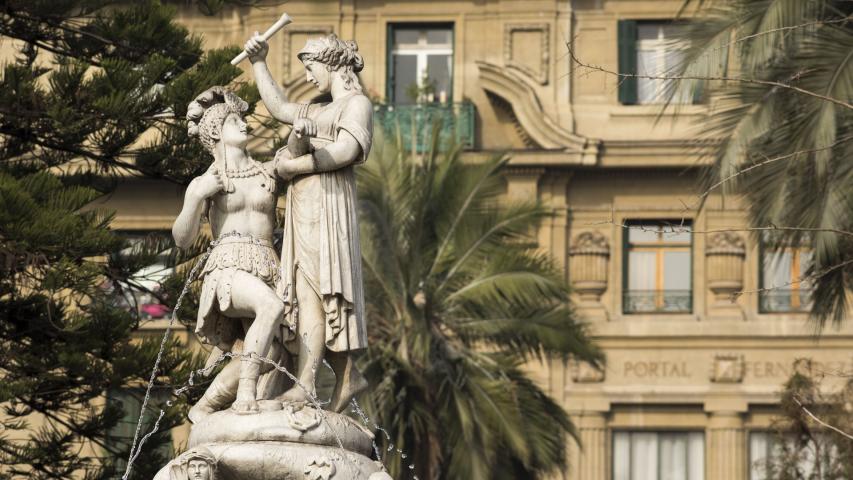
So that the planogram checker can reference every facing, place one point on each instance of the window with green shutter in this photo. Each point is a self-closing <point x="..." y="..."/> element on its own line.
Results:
<point x="652" y="49"/>
<point x="627" y="61"/>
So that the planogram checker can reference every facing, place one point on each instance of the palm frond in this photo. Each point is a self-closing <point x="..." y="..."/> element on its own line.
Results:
<point x="808" y="45"/>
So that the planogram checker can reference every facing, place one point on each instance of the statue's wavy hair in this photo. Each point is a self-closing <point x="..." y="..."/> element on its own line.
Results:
<point x="337" y="55"/>
<point x="207" y="113"/>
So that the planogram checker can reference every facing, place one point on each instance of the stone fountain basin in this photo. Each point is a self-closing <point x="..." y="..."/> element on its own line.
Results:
<point x="290" y="424"/>
<point x="293" y="442"/>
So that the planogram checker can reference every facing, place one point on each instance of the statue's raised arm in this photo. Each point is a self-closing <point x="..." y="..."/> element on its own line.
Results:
<point x="272" y="94"/>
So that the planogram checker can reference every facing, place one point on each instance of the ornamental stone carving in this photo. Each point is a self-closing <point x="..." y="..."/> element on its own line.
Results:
<point x="727" y="369"/>
<point x="588" y="266"/>
<point x="725" y="254"/>
<point x="527" y="49"/>
<point x="584" y="372"/>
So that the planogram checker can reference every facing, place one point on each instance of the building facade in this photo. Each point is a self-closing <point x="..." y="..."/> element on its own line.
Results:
<point x="697" y="351"/>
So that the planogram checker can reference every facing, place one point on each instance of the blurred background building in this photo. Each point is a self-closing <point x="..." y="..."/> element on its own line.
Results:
<point x="693" y="373"/>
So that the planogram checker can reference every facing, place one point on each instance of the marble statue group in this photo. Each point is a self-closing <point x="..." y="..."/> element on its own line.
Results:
<point x="294" y="308"/>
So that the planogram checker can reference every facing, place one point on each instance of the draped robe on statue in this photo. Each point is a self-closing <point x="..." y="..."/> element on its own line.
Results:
<point x="321" y="238"/>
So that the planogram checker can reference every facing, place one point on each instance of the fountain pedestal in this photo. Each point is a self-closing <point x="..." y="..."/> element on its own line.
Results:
<point x="296" y="442"/>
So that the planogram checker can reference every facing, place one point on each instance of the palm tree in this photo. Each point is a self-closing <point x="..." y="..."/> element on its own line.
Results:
<point x="458" y="299"/>
<point x="783" y="113"/>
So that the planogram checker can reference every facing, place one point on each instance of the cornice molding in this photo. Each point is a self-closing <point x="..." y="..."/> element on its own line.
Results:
<point x="541" y="128"/>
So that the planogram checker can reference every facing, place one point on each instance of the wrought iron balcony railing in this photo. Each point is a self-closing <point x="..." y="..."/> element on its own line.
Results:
<point x="657" y="301"/>
<point x="414" y="123"/>
<point x="785" y="300"/>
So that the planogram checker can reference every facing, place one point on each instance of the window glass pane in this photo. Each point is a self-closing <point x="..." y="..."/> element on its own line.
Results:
<point x="438" y="71"/>
<point x="671" y="30"/>
<point x="805" y="263"/>
<point x="406" y="35"/>
<point x="645" y="233"/>
<point x="777" y="268"/>
<point x="405" y="77"/>
<point x="676" y="270"/>
<point x="807" y="461"/>
<point x="642" y="270"/>
<point x="644" y="456"/>
<point x="658" y="456"/>
<point x="141" y="296"/>
<point x="130" y="401"/>
<point x="659" y="51"/>
<point x="695" y="456"/>
<point x="647" y="88"/>
<point x="673" y="456"/>
<point x="621" y="456"/>
<point x="648" y="31"/>
<point x="676" y="233"/>
<point x="758" y="448"/>
<point x="438" y="36"/>
<point x="123" y="431"/>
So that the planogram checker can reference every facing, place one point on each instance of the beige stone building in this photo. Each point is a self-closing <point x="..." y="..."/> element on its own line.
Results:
<point x="691" y="383"/>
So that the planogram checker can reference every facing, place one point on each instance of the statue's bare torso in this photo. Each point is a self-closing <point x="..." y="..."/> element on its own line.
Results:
<point x="249" y="210"/>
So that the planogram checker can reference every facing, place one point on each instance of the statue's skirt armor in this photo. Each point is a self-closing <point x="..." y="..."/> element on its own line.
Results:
<point x="241" y="253"/>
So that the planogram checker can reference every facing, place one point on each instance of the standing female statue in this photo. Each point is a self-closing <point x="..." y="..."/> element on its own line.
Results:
<point x="238" y="298"/>
<point x="321" y="259"/>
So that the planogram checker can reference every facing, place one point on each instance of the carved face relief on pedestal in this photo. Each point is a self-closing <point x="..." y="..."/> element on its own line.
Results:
<point x="198" y="470"/>
<point x="196" y="464"/>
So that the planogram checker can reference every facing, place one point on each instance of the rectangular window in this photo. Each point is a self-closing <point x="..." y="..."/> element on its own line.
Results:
<point x="774" y="455"/>
<point x="658" y="456"/>
<point x="658" y="270"/>
<point x="141" y="294"/>
<point x="120" y="437"/>
<point x="420" y="63"/>
<point x="650" y="49"/>
<point x="782" y="268"/>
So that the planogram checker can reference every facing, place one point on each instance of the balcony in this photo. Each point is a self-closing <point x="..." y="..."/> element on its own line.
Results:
<point x="414" y="123"/>
<point x="785" y="301"/>
<point x="657" y="301"/>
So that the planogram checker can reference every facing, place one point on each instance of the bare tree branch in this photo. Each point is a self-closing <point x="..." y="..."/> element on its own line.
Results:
<point x="704" y="195"/>
<point x="821" y="422"/>
<point x="755" y="81"/>
<point x="780" y="29"/>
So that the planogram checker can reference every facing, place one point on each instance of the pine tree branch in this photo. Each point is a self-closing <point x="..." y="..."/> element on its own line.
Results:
<point x="90" y="155"/>
<point x="70" y="427"/>
<point x="753" y="81"/>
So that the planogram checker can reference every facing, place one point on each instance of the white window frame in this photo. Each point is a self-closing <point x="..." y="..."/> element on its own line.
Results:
<point x="421" y="50"/>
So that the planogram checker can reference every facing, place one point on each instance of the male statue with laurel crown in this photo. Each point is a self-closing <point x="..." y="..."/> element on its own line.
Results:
<point x="321" y="279"/>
